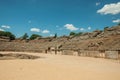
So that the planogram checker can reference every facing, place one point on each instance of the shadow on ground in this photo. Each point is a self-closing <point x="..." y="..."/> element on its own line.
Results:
<point x="11" y="56"/>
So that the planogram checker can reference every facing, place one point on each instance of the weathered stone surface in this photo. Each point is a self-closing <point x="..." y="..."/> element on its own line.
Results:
<point x="17" y="56"/>
<point x="109" y="39"/>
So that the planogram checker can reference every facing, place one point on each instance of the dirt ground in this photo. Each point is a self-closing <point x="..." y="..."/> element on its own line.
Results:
<point x="59" y="67"/>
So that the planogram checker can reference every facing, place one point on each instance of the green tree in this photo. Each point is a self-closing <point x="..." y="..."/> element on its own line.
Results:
<point x="10" y="35"/>
<point x="7" y="34"/>
<point x="55" y="36"/>
<point x="78" y="34"/>
<point x="34" y="36"/>
<point x="72" y="33"/>
<point x="25" y="36"/>
<point x="106" y="28"/>
<point x="119" y="24"/>
<point x="75" y="34"/>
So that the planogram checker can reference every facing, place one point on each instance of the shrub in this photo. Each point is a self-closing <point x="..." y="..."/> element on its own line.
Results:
<point x="25" y="36"/>
<point x="7" y="34"/>
<point x="34" y="36"/>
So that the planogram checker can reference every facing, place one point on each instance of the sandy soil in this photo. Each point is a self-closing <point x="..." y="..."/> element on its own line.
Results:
<point x="59" y="67"/>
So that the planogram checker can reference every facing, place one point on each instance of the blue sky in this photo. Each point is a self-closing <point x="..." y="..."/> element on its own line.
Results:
<point x="47" y="17"/>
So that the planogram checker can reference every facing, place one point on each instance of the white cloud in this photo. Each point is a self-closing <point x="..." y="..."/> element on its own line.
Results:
<point x="51" y="35"/>
<point x="46" y="31"/>
<point x="116" y="21"/>
<point x="70" y="27"/>
<point x="89" y="28"/>
<point x="35" y="30"/>
<point x="82" y="29"/>
<point x="2" y="29"/>
<point x="97" y="4"/>
<point x="113" y="8"/>
<point x="5" y="26"/>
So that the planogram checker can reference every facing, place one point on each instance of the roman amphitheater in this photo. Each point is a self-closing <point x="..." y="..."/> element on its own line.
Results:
<point x="90" y="56"/>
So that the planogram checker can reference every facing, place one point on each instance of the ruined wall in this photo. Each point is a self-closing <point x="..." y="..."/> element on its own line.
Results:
<point x="102" y="44"/>
<point x="68" y="52"/>
<point x="17" y="46"/>
<point x="112" y="54"/>
<point x="37" y="47"/>
<point x="96" y="54"/>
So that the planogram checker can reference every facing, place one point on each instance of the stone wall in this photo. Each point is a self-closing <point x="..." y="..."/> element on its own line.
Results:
<point x="96" y="54"/>
<point x="67" y="52"/>
<point x="17" y="46"/>
<point x="35" y="47"/>
<point x="112" y="54"/>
